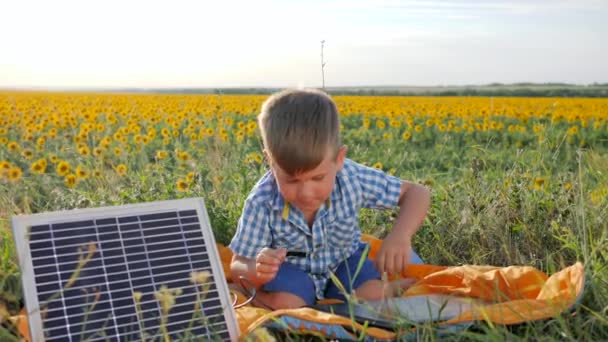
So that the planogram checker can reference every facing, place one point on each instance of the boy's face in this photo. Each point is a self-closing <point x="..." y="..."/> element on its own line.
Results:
<point x="308" y="190"/>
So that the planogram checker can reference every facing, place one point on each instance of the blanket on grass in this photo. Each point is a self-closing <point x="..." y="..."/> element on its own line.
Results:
<point x="517" y="293"/>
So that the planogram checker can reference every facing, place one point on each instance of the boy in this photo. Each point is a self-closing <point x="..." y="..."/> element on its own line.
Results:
<point x="300" y="221"/>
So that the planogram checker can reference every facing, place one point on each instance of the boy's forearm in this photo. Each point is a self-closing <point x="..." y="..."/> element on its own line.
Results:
<point x="413" y="206"/>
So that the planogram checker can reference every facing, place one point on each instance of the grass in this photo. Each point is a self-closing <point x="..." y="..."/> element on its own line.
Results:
<point x="498" y="199"/>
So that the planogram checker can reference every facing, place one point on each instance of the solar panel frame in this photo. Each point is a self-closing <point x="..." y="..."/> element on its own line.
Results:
<point x="21" y="231"/>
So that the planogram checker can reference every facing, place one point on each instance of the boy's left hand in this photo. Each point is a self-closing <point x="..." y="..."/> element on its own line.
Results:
<point x="394" y="253"/>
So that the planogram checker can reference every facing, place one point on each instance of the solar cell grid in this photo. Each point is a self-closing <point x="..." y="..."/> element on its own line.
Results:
<point x="112" y="277"/>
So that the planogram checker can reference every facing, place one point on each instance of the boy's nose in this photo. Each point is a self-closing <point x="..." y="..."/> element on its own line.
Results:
<point x="305" y="193"/>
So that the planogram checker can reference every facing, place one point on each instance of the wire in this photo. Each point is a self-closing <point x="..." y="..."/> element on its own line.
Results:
<point x="250" y="292"/>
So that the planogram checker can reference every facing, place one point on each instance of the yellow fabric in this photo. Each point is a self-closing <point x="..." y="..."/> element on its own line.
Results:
<point x="521" y="293"/>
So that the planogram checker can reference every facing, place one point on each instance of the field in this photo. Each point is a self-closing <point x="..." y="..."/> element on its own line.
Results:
<point x="515" y="181"/>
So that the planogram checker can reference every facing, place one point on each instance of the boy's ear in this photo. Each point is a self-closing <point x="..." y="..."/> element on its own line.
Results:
<point x="341" y="156"/>
<point x="266" y="157"/>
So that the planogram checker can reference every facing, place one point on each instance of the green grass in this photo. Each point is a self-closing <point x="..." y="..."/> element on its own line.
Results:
<point x="485" y="209"/>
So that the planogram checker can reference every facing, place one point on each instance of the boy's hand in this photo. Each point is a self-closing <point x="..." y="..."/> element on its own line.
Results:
<point x="267" y="263"/>
<point x="394" y="253"/>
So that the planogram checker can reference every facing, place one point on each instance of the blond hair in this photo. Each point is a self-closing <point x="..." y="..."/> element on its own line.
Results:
<point x="299" y="128"/>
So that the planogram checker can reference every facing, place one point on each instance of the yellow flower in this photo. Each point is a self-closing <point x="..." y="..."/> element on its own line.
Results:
<point x="82" y="172"/>
<point x="63" y="168"/>
<point x="418" y="128"/>
<point x="27" y="153"/>
<point x="539" y="183"/>
<point x="14" y="174"/>
<point x="406" y="135"/>
<point x="377" y="165"/>
<point x="13" y="147"/>
<point x="567" y="186"/>
<point x="183" y="155"/>
<point x="70" y="180"/>
<point x="160" y="155"/>
<point x="121" y="169"/>
<point x="39" y="166"/>
<point x="5" y="165"/>
<point x="182" y="185"/>
<point x="84" y="151"/>
<point x="190" y="176"/>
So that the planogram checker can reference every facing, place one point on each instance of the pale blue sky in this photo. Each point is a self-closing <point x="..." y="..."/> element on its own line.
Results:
<point x="198" y="43"/>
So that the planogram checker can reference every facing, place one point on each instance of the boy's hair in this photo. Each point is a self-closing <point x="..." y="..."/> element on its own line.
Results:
<point x="299" y="127"/>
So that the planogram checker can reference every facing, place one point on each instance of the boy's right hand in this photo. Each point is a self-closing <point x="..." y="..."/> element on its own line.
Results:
<point x="267" y="263"/>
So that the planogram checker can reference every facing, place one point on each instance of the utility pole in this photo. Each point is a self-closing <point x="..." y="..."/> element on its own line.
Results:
<point x="322" y="64"/>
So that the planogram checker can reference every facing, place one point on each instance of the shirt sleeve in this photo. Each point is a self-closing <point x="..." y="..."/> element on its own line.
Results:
<point x="380" y="190"/>
<point x="253" y="230"/>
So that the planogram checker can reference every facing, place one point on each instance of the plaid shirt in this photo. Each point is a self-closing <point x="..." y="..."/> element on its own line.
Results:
<point x="268" y="221"/>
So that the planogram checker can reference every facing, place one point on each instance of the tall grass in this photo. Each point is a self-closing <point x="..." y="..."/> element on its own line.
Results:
<point x="499" y="198"/>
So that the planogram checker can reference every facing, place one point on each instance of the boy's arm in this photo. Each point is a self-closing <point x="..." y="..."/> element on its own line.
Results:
<point x="394" y="254"/>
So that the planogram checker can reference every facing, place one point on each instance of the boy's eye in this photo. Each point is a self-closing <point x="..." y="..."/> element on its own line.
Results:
<point x="318" y="178"/>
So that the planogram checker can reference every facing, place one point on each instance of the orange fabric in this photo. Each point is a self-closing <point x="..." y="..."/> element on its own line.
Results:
<point x="520" y="293"/>
<point x="20" y="321"/>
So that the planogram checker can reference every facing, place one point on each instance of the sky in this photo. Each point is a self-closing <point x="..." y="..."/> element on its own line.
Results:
<point x="277" y="43"/>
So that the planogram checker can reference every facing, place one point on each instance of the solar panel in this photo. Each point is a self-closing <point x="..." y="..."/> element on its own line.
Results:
<point x="148" y="271"/>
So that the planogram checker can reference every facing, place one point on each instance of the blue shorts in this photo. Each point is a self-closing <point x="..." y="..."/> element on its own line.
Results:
<point x="290" y="278"/>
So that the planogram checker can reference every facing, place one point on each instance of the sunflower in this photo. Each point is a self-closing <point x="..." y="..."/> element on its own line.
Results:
<point x="63" y="168"/>
<point x="406" y="135"/>
<point x="14" y="174"/>
<point x="121" y="169"/>
<point x="70" y="180"/>
<point x="190" y="176"/>
<point x="82" y="172"/>
<point x="161" y="154"/>
<point x="84" y="151"/>
<point x="39" y="166"/>
<point x="181" y="185"/>
<point x="183" y="155"/>
<point x="539" y="183"/>
<point x="13" y="146"/>
<point x="5" y="165"/>
<point x="377" y="165"/>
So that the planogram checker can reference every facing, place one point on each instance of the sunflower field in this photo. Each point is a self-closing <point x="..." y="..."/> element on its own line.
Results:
<point x="515" y="181"/>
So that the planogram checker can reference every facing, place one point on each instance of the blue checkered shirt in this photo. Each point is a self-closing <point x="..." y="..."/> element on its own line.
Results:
<point x="335" y="233"/>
